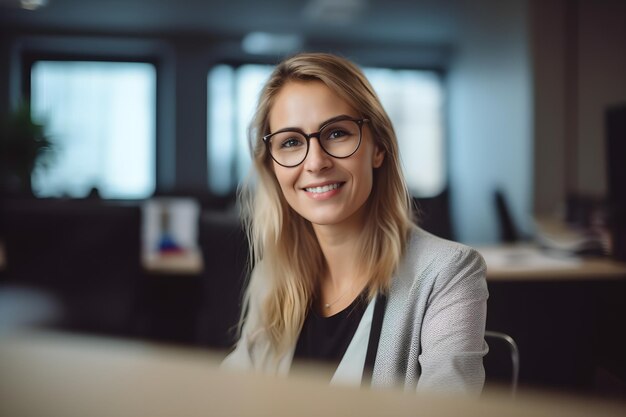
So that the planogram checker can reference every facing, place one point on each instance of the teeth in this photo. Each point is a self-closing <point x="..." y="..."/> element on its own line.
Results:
<point x="323" y="189"/>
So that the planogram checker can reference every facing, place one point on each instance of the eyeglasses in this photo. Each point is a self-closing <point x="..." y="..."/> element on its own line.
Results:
<point x="339" y="138"/>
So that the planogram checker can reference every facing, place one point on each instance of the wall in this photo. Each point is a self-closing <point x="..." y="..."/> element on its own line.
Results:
<point x="549" y="62"/>
<point x="490" y="118"/>
<point x="528" y="91"/>
<point x="580" y="69"/>
<point x="601" y="82"/>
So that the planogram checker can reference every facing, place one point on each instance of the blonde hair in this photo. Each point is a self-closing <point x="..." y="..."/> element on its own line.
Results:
<point x="284" y="241"/>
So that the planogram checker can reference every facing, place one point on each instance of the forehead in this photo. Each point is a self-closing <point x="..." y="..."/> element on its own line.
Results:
<point x="305" y="105"/>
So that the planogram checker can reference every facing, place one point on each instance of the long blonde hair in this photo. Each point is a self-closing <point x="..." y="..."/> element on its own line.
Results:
<point x="284" y="241"/>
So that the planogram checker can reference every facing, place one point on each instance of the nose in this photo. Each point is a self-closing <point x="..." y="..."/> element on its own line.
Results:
<point x="317" y="160"/>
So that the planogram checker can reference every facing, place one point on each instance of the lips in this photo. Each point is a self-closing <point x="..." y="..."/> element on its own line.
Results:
<point x="319" y="189"/>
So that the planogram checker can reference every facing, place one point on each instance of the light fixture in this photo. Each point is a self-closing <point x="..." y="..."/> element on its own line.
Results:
<point x="33" y="4"/>
<point x="334" y="11"/>
<point x="264" y="43"/>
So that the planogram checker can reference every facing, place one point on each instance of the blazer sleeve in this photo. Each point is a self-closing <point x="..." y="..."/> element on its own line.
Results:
<point x="453" y="329"/>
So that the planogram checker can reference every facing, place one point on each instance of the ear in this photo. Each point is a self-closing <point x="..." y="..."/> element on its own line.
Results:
<point x="378" y="157"/>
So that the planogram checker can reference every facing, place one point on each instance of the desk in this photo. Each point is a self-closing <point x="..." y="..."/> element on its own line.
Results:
<point x="54" y="375"/>
<point x="564" y="313"/>
<point x="525" y="262"/>
<point x="188" y="262"/>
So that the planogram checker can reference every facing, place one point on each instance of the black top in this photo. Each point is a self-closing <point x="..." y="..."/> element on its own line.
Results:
<point x="327" y="338"/>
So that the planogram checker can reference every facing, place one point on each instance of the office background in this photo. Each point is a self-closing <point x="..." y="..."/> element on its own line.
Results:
<point x="520" y="91"/>
<point x="527" y="83"/>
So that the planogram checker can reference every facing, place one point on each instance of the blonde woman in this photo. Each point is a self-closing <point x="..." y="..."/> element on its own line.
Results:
<point x="341" y="274"/>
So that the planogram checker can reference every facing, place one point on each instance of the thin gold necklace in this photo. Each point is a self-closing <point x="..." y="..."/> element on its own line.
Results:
<point x="329" y="305"/>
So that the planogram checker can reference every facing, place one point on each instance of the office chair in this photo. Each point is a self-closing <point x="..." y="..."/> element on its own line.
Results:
<point x="509" y="232"/>
<point x="434" y="214"/>
<point x="502" y="361"/>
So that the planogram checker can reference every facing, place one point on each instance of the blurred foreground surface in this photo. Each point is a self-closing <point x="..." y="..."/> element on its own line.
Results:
<point x="54" y="374"/>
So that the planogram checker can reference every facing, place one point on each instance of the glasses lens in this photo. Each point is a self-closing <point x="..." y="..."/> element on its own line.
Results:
<point x="288" y="148"/>
<point x="341" y="139"/>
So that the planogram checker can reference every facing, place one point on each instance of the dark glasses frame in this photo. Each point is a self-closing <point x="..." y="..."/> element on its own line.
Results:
<point x="307" y="137"/>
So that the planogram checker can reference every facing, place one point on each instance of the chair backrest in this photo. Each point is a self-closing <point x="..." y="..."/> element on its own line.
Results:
<point x="434" y="214"/>
<point x="502" y="361"/>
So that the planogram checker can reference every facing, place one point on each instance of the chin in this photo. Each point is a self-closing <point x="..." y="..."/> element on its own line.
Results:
<point x="324" y="222"/>
<point x="328" y="218"/>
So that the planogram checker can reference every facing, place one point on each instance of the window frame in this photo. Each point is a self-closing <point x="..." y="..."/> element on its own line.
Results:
<point x="31" y="57"/>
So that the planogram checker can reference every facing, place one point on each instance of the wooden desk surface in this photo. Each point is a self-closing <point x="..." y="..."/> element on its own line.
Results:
<point x="528" y="263"/>
<point x="189" y="262"/>
<point x="56" y="375"/>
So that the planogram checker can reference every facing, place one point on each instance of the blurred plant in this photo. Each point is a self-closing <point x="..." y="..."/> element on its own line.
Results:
<point x="23" y="146"/>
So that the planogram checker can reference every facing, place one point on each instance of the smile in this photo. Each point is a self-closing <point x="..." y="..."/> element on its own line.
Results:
<point x="324" y="189"/>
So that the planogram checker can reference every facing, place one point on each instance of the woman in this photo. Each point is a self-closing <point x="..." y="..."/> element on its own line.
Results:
<point x="340" y="271"/>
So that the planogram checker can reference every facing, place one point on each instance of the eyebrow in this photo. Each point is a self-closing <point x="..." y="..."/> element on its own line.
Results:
<point x="325" y="122"/>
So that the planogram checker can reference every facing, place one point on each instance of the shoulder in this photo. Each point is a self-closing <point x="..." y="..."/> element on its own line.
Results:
<point x="429" y="258"/>
<point x="426" y="246"/>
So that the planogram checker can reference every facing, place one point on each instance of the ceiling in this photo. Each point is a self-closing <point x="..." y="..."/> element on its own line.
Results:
<point x="417" y="21"/>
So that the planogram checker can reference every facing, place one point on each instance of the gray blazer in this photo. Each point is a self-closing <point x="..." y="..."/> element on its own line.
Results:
<point x="432" y="337"/>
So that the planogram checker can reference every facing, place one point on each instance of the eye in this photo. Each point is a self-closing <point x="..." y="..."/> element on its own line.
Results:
<point x="336" y="134"/>
<point x="290" y="143"/>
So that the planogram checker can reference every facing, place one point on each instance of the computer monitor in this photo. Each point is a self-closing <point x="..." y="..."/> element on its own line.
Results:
<point x="615" y="122"/>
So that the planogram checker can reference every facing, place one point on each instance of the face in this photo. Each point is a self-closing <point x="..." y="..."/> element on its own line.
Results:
<point x="322" y="189"/>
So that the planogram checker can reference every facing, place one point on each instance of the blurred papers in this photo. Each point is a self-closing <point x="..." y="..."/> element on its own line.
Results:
<point x="170" y="236"/>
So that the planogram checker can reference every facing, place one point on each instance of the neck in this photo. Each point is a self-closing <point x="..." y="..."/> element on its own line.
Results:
<point x="340" y="245"/>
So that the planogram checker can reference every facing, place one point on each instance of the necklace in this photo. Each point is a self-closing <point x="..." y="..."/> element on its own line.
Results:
<point x="332" y="303"/>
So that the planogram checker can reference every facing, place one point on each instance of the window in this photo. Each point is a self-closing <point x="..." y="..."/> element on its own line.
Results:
<point x="414" y="100"/>
<point x="233" y="95"/>
<point x="101" y="117"/>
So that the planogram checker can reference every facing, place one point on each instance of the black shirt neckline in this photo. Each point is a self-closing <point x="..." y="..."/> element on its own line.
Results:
<point x="326" y="339"/>
<point x="359" y="299"/>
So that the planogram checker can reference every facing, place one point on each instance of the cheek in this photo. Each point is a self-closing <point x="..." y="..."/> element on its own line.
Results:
<point x="364" y="178"/>
<point x="364" y="170"/>
<point x="286" y="178"/>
